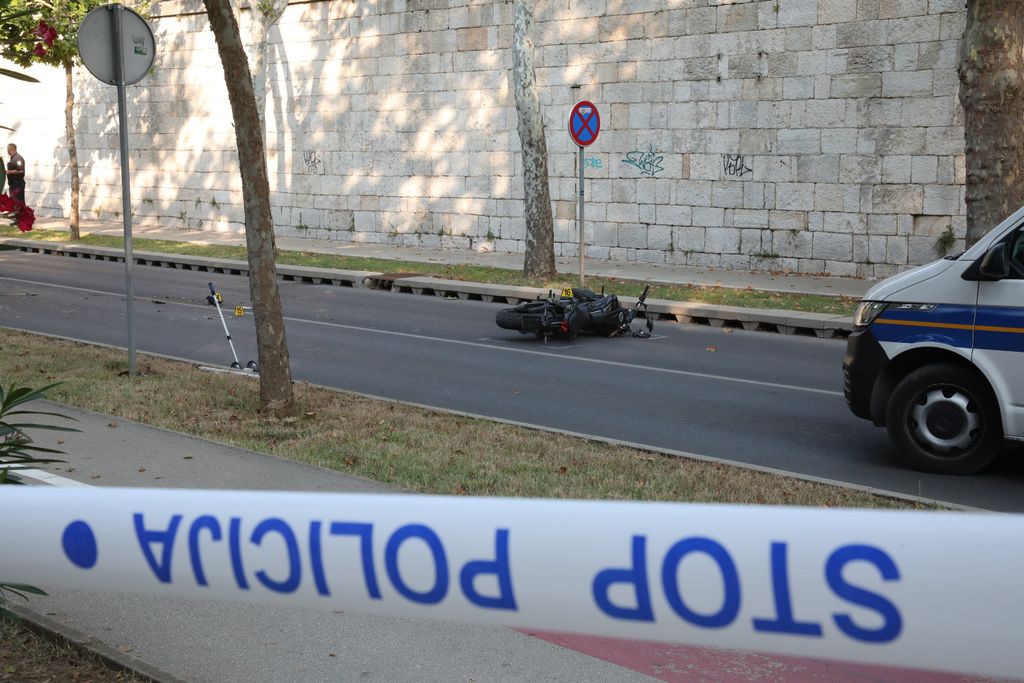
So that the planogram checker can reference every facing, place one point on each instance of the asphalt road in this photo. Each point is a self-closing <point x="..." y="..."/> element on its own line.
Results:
<point x="751" y="397"/>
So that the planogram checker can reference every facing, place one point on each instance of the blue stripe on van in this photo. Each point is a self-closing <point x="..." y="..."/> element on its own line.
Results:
<point x="951" y="325"/>
<point x="1009" y="332"/>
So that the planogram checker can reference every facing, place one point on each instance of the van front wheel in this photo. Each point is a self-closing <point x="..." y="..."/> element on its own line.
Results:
<point x="944" y="418"/>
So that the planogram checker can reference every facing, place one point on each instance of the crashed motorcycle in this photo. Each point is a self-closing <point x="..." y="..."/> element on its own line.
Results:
<point x="576" y="311"/>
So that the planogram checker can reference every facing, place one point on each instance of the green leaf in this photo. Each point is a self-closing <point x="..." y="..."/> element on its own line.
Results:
<point x="19" y="76"/>
<point x="22" y="426"/>
<point x="24" y="587"/>
<point x="17" y="451"/>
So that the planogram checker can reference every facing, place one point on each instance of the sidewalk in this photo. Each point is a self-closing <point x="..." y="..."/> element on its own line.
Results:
<point x="770" y="282"/>
<point x="174" y="640"/>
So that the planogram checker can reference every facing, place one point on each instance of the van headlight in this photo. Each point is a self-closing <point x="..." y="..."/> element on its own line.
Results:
<point x="867" y="311"/>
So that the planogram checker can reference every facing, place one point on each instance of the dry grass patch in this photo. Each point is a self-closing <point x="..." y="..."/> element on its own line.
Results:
<point x="26" y="657"/>
<point x="412" y="448"/>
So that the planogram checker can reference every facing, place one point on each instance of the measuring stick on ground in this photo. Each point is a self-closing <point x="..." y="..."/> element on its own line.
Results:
<point x="216" y="302"/>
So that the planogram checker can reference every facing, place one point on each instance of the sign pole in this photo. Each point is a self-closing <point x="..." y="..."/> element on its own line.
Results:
<point x="584" y="126"/>
<point x="126" y="188"/>
<point x="581" y="222"/>
<point x="102" y="36"/>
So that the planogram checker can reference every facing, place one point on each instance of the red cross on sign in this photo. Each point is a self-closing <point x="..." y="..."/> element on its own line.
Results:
<point x="584" y="123"/>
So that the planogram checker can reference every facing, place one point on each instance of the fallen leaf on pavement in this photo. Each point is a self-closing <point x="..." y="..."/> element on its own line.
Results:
<point x="711" y="349"/>
<point x="112" y="424"/>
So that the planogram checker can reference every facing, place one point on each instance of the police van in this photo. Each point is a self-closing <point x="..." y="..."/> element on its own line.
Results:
<point x="937" y="355"/>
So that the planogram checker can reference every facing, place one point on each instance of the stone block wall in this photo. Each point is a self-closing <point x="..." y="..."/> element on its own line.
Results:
<point x="804" y="135"/>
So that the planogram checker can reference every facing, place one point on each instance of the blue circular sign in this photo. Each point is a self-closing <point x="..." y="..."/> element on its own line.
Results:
<point x="584" y="123"/>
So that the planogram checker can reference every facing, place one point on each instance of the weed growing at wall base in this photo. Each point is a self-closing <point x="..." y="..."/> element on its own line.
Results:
<point x="944" y="243"/>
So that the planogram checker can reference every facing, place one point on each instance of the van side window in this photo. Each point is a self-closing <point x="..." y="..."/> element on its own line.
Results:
<point x="1017" y="255"/>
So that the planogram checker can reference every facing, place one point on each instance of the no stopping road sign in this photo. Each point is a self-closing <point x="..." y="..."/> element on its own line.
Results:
<point x="584" y="123"/>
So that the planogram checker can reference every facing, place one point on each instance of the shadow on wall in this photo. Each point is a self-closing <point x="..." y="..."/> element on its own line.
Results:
<point x="725" y="143"/>
<point x="390" y="127"/>
<point x="36" y="113"/>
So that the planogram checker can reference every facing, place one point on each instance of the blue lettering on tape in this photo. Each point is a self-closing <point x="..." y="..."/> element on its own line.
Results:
<point x="499" y="567"/>
<point x="79" y="543"/>
<point x="892" y="622"/>
<point x="316" y="558"/>
<point x="162" y="568"/>
<point x="365" y="533"/>
<point x="235" y="548"/>
<point x="730" y="582"/>
<point x="291" y="583"/>
<point x="425" y="534"/>
<point x="784" y="621"/>
<point x="213" y="526"/>
<point x="636" y="576"/>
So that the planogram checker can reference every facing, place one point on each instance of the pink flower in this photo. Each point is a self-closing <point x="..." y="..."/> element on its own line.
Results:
<point x="46" y="33"/>
<point x="26" y="219"/>
<point x="39" y="51"/>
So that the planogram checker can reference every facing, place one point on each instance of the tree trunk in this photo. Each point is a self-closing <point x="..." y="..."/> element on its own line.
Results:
<point x="276" y="394"/>
<point x="263" y="18"/>
<point x="69" y="132"/>
<point x="992" y="94"/>
<point x="540" y="232"/>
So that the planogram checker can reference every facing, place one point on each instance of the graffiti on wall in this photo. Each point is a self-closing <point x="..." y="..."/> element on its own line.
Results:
<point x="312" y="164"/>
<point x="592" y="162"/>
<point x="735" y="165"/>
<point x="648" y="162"/>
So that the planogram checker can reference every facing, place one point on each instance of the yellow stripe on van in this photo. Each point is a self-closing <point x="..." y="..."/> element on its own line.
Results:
<point x="921" y="323"/>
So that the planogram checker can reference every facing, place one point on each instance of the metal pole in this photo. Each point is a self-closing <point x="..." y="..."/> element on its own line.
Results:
<point x="581" y="222"/>
<point x="126" y="192"/>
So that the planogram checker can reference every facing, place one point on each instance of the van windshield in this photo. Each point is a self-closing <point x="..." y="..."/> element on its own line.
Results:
<point x="979" y="248"/>
<point x="975" y="252"/>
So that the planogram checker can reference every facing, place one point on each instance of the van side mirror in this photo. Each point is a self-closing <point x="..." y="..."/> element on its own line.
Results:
<point x="995" y="264"/>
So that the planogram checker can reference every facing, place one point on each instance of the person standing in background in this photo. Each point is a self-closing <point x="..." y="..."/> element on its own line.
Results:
<point x="3" y="174"/>
<point x="16" y="173"/>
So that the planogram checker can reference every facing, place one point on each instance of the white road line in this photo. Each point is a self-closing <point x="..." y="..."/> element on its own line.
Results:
<point x="503" y="348"/>
<point x="44" y="477"/>
<point x="50" y="284"/>
<point x="596" y="361"/>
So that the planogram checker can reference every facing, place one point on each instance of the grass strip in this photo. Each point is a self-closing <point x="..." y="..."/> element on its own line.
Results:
<point x="27" y="657"/>
<point x="412" y="448"/>
<point x="727" y="296"/>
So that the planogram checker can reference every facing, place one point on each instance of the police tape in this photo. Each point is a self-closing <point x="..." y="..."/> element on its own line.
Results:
<point x="918" y="589"/>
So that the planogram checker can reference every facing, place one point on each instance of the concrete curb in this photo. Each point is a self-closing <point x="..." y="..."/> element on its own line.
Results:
<point x="823" y="325"/>
<point x="55" y="631"/>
